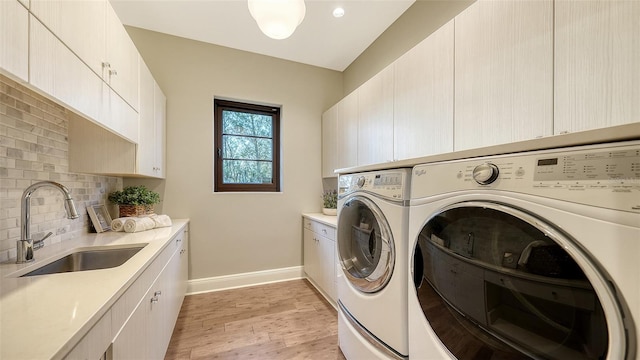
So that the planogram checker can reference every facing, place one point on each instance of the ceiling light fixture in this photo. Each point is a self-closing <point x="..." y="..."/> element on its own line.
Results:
<point x="338" y="12"/>
<point x="277" y="19"/>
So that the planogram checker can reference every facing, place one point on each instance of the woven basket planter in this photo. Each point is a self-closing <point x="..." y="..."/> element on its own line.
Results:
<point x="135" y="210"/>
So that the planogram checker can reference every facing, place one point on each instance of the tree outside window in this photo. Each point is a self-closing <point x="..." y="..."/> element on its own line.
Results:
<point x="246" y="147"/>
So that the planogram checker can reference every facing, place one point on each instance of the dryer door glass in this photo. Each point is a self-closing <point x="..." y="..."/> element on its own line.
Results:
<point x="365" y="245"/>
<point x="496" y="283"/>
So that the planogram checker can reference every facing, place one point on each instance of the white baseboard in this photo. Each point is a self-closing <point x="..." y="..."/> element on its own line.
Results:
<point x="198" y="286"/>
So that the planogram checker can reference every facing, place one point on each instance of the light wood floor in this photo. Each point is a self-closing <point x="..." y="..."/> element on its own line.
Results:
<point x="286" y="320"/>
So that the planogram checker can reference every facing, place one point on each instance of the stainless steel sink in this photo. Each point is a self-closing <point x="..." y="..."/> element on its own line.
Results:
<point x="83" y="260"/>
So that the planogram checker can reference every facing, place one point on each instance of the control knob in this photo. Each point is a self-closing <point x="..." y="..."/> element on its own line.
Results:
<point x="485" y="174"/>
<point x="360" y="182"/>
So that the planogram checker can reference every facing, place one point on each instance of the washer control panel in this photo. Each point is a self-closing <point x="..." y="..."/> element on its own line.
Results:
<point x="606" y="175"/>
<point x="584" y="166"/>
<point x="391" y="184"/>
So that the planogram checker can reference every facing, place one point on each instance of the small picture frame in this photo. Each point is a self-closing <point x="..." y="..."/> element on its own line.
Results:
<point x="100" y="217"/>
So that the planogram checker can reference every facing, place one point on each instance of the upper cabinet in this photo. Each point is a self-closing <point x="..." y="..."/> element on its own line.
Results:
<point x="114" y="156"/>
<point x="160" y="126"/>
<point x="58" y="72"/>
<point x="347" y="133"/>
<point x="423" y="97"/>
<point x="329" y="146"/>
<point x="94" y="33"/>
<point x="375" y="119"/>
<point x="79" y="54"/>
<point x="121" y="62"/>
<point x="80" y="25"/>
<point x="146" y="145"/>
<point x="597" y="64"/>
<point x="503" y="72"/>
<point x="14" y="37"/>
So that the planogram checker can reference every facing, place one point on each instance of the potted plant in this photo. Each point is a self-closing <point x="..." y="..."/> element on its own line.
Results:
<point x="134" y="200"/>
<point x="330" y="202"/>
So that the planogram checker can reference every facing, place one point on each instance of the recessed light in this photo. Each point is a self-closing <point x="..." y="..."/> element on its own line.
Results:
<point x="338" y="12"/>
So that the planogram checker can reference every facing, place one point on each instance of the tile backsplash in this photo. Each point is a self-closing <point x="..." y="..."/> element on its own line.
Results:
<point x="34" y="147"/>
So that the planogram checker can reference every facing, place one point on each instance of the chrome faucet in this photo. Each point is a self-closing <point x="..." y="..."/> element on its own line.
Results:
<point x="26" y="245"/>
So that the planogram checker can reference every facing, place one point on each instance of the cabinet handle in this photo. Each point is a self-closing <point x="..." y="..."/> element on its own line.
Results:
<point x="324" y="231"/>
<point x="113" y="72"/>
<point x="106" y="65"/>
<point x="157" y="293"/>
<point x="154" y="299"/>
<point x="181" y="251"/>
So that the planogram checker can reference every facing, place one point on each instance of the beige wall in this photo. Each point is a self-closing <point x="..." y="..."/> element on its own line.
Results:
<point x="234" y="232"/>
<point x="417" y="23"/>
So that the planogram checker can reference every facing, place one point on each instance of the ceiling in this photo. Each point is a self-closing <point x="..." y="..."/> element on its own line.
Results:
<point x="320" y="40"/>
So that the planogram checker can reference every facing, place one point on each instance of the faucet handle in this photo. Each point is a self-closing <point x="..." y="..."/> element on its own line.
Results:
<point x="38" y="244"/>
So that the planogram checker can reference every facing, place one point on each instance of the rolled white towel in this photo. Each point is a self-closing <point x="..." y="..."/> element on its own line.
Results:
<point x="161" y="220"/>
<point x="118" y="224"/>
<point x="138" y="224"/>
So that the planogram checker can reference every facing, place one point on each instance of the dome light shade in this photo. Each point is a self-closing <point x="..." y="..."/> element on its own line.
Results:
<point x="277" y="19"/>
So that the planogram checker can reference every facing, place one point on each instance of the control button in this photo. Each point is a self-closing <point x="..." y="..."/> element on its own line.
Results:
<point x="520" y="172"/>
<point x="485" y="174"/>
<point x="360" y="182"/>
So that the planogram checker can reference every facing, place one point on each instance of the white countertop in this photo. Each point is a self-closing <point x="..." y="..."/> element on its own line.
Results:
<point x="44" y="317"/>
<point x="325" y="219"/>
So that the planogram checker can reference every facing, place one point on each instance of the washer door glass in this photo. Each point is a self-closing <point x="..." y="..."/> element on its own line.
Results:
<point x="365" y="245"/>
<point x="497" y="283"/>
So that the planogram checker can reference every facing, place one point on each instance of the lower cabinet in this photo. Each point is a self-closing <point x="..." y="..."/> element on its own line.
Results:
<point x="147" y="331"/>
<point x="319" y="257"/>
<point x="140" y="324"/>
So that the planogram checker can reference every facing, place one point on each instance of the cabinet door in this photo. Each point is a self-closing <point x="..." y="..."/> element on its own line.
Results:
<point x="503" y="72"/>
<point x="347" y="136"/>
<point x="56" y="71"/>
<point x="312" y="257"/>
<point x="146" y="151"/>
<point x="132" y="341"/>
<point x="423" y="97"/>
<point x="327" y="261"/>
<point x="119" y="116"/>
<point x="375" y="119"/>
<point x="122" y="56"/>
<point x="160" y="123"/>
<point x="14" y="37"/>
<point x="597" y="64"/>
<point x="329" y="145"/>
<point x="79" y="24"/>
<point x="95" y="343"/>
<point x="184" y="267"/>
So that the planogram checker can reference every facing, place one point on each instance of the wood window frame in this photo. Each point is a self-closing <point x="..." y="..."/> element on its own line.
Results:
<point x="273" y="111"/>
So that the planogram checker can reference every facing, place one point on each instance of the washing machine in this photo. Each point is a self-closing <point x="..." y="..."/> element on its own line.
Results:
<point x="527" y="256"/>
<point x="373" y="217"/>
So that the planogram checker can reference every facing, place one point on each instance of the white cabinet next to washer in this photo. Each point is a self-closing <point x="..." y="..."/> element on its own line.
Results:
<point x="503" y="72"/>
<point x="320" y="256"/>
<point x="347" y="131"/>
<point x="597" y="64"/>
<point x="375" y="119"/>
<point x="423" y="97"/>
<point x="329" y="146"/>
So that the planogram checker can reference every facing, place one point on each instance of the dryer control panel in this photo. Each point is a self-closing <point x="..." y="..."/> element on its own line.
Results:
<point x="389" y="184"/>
<point x="606" y="175"/>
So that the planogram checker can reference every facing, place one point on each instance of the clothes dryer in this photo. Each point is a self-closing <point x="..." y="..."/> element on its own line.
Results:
<point x="373" y="216"/>
<point x="527" y="256"/>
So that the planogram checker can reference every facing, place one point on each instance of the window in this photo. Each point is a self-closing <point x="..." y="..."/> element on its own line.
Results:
<point x="247" y="147"/>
